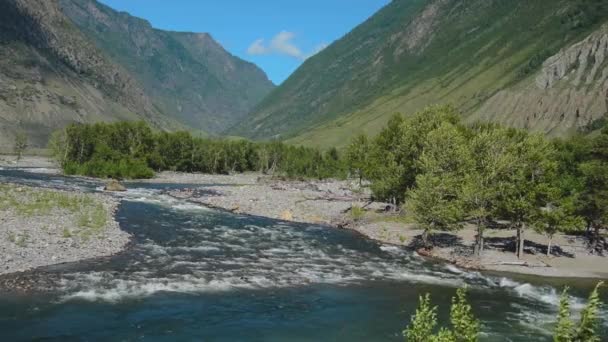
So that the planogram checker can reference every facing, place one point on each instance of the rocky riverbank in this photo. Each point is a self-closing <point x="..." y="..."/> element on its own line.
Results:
<point x="343" y="204"/>
<point x="40" y="227"/>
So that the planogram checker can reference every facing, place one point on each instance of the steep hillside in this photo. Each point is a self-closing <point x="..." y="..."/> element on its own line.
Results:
<point x="51" y="75"/>
<point x="189" y="75"/>
<point x="484" y="56"/>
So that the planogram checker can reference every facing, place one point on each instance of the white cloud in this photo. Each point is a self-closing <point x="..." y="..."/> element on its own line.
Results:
<point x="282" y="44"/>
<point x="258" y="48"/>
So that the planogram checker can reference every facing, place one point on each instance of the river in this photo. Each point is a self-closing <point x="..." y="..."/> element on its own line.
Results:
<point x="197" y="274"/>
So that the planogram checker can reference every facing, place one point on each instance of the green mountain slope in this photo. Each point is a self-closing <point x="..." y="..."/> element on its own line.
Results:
<point x="110" y="66"/>
<point x="417" y="52"/>
<point x="189" y="75"/>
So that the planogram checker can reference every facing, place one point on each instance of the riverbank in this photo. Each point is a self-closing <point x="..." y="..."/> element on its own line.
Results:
<point x="332" y="202"/>
<point x="41" y="227"/>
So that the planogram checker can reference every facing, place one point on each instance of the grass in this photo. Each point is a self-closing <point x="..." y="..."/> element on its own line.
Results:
<point x="90" y="214"/>
<point x="357" y="213"/>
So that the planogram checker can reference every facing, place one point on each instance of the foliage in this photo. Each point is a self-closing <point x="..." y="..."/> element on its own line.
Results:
<point x="465" y="327"/>
<point x="587" y="328"/>
<point x="565" y="326"/>
<point x="134" y="150"/>
<point x="357" y="212"/>
<point x="357" y="157"/>
<point x="588" y="325"/>
<point x="423" y="322"/>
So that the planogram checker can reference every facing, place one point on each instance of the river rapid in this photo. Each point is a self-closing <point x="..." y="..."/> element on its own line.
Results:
<point x="198" y="274"/>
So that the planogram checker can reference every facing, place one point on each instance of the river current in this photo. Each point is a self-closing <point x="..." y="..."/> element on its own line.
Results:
<point x="198" y="274"/>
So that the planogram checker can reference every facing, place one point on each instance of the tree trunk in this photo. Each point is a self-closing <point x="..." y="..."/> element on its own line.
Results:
<point x="549" y="245"/>
<point x="425" y="238"/>
<point x="520" y="240"/>
<point x="596" y="237"/>
<point x="479" y="240"/>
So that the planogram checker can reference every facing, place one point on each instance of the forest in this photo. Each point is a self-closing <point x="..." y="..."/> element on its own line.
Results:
<point x="445" y="173"/>
<point x="131" y="150"/>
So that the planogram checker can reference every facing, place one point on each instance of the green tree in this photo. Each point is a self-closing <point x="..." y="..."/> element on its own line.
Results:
<point x="558" y="215"/>
<point x="357" y="156"/>
<point x="397" y="149"/>
<point x="20" y="144"/>
<point x="464" y="325"/>
<point x="593" y="204"/>
<point x="587" y="328"/>
<point x="564" y="330"/>
<point x="435" y="202"/>
<point x="423" y="322"/>
<point x="524" y="188"/>
<point x="486" y="173"/>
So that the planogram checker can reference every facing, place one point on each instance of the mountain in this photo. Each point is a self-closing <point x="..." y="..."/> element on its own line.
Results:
<point x="535" y="64"/>
<point x="54" y="71"/>
<point x="189" y="75"/>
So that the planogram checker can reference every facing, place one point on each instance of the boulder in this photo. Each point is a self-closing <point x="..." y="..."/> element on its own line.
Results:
<point x="114" y="185"/>
<point x="287" y="215"/>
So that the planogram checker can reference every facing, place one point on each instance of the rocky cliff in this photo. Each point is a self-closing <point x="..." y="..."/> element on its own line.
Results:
<point x="569" y="93"/>
<point x="50" y="75"/>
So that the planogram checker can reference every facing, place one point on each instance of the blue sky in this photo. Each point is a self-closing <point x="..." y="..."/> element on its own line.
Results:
<point x="276" y="35"/>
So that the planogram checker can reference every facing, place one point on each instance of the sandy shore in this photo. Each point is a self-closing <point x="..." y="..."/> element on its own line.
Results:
<point x="40" y="227"/>
<point x="37" y="162"/>
<point x="330" y="202"/>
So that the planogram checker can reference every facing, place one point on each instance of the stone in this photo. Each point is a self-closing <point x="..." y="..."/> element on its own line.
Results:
<point x="114" y="185"/>
<point x="287" y="215"/>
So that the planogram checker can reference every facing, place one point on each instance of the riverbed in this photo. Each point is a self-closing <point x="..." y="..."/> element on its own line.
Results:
<point x="195" y="273"/>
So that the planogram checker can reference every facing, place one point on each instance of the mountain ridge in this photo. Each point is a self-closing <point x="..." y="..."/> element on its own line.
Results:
<point x="53" y="72"/>
<point x="415" y="53"/>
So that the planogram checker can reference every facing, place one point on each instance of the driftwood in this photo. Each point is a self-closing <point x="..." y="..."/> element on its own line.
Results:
<point x="328" y="198"/>
<point x="517" y="263"/>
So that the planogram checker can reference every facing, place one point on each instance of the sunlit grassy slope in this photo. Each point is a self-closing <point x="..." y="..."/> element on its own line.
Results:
<point x="413" y="53"/>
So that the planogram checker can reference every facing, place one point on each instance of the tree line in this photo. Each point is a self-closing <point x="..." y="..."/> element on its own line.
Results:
<point x="445" y="173"/>
<point x="465" y="327"/>
<point x="133" y="150"/>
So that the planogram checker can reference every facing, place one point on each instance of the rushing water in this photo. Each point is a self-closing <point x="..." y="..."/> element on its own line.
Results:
<point x="196" y="274"/>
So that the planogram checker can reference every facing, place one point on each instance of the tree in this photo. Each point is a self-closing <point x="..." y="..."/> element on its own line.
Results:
<point x="423" y="322"/>
<point x="435" y="202"/>
<point x="397" y="149"/>
<point x="524" y="188"/>
<point x="20" y="144"/>
<point x="490" y="163"/>
<point x="593" y="204"/>
<point x="465" y="326"/>
<point x="558" y="215"/>
<point x="564" y="329"/>
<point x="588" y="325"/>
<point x="357" y="156"/>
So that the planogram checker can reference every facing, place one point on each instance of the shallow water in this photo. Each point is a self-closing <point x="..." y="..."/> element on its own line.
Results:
<point x="200" y="274"/>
